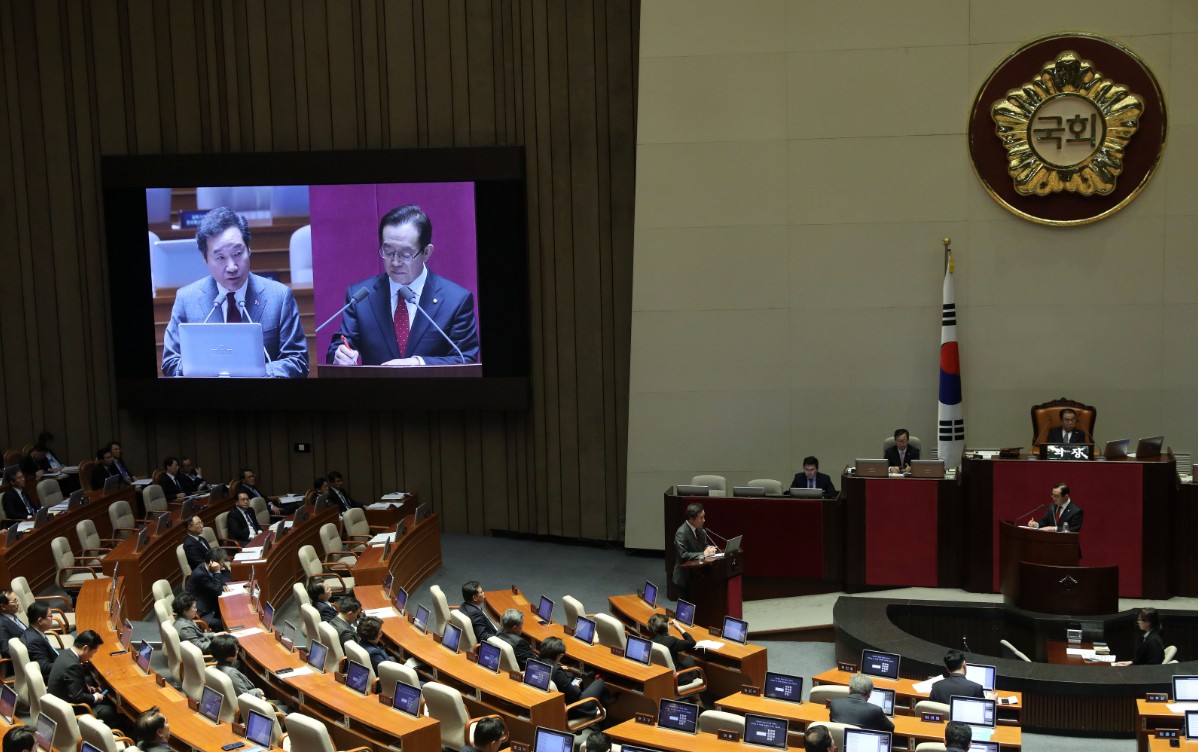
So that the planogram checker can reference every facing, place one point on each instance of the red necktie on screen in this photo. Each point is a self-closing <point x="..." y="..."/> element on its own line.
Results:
<point x="401" y="325"/>
<point x="232" y="315"/>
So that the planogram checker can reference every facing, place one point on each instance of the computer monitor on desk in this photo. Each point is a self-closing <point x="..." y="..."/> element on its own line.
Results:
<point x="877" y="663"/>
<point x="683" y="489"/>
<point x="927" y="468"/>
<point x="550" y="740"/>
<point x="787" y="687"/>
<point x="860" y="740"/>
<point x="872" y="468"/>
<point x="980" y="674"/>
<point x="807" y="493"/>
<point x="1149" y="447"/>
<point x="973" y="711"/>
<point x="765" y="731"/>
<point x="685" y="613"/>
<point x="748" y="491"/>
<point x="1185" y="688"/>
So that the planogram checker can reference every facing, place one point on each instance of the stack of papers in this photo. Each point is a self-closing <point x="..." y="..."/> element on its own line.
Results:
<point x="1087" y="654"/>
<point x="24" y="526"/>
<point x="395" y="496"/>
<point x="926" y="686"/>
<point x="1181" y="707"/>
<point x="143" y="482"/>
<point x="381" y="539"/>
<point x="71" y="469"/>
<point x="382" y="613"/>
<point x="290" y="498"/>
<point x="234" y="589"/>
<point x="709" y="644"/>
<point x="381" y="506"/>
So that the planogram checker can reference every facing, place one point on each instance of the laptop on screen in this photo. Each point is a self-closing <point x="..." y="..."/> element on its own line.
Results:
<point x="1192" y="724"/>
<point x="649" y="594"/>
<point x="126" y="638"/>
<point x="1185" y="688"/>
<point x="317" y="652"/>
<point x="406" y="699"/>
<point x="733" y="544"/>
<point x="736" y="630"/>
<point x="211" y="702"/>
<point x="872" y="468"/>
<point x="488" y="656"/>
<point x="972" y="710"/>
<point x="638" y="649"/>
<point x="685" y="613"/>
<point x="259" y="728"/>
<point x="8" y="703"/>
<point x="980" y="674"/>
<point x="1117" y="449"/>
<point x="222" y="350"/>
<point x="143" y="655"/>
<point x="883" y="698"/>
<point x="806" y="493"/>
<point x="420" y="621"/>
<point x="783" y="687"/>
<point x="538" y="674"/>
<point x="112" y="483"/>
<point x="544" y="611"/>
<point x="678" y="716"/>
<point x="927" y="468"/>
<point x="877" y="663"/>
<point x="584" y="630"/>
<point x="860" y="740"/>
<point x="1149" y="447"/>
<point x="46" y="728"/>
<point x="686" y="489"/>
<point x="357" y="677"/>
<point x="549" y="740"/>
<point x="765" y="731"/>
<point x="400" y="601"/>
<point x="451" y="637"/>
<point x="748" y="492"/>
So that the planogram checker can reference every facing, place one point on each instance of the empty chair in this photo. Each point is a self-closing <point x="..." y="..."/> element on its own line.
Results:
<point x="927" y="706"/>
<point x="210" y="536"/>
<point x="469" y="640"/>
<point x="300" y="255"/>
<point x="20" y="659"/>
<point x="335" y="549"/>
<point x="66" y="735"/>
<point x="391" y="672"/>
<point x="609" y="631"/>
<point x="49" y="493"/>
<point x="688" y="681"/>
<point x="1170" y="654"/>
<point x="248" y="701"/>
<point x="930" y="747"/>
<point x="329" y="574"/>
<point x="711" y="721"/>
<point x="222" y="533"/>
<point x="261" y="511"/>
<point x="162" y="589"/>
<point x="355" y="652"/>
<point x="98" y="734"/>
<point x="311" y="735"/>
<point x="64" y="621"/>
<point x="70" y="575"/>
<point x="171" y="649"/>
<point x="124" y="524"/>
<point x="310" y="621"/>
<point x="357" y="529"/>
<point x="328" y="635"/>
<point x="1016" y="652"/>
<point x="35" y="688"/>
<point x="440" y="608"/>
<point x="192" y="680"/>
<point x="220" y="681"/>
<point x="92" y="547"/>
<point x="163" y="611"/>
<point x="825" y="692"/>
<point x="446" y="706"/>
<point x="574" y="609"/>
<point x="154" y="499"/>
<point x="835" y="730"/>
<point x="184" y="564"/>
<point x="507" y="655"/>
<point x="770" y="485"/>
<point x="717" y="484"/>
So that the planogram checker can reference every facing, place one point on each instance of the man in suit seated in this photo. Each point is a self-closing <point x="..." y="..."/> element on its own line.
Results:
<point x="958" y="737"/>
<point x="170" y="479"/>
<point x="659" y="628"/>
<point x="10" y="620"/>
<point x="552" y="649"/>
<point x="370" y="637"/>
<point x="319" y="594"/>
<point x="104" y="469"/>
<point x="1063" y="514"/>
<point x="243" y="520"/>
<point x="152" y="731"/>
<point x="206" y="583"/>
<point x="34" y="464"/>
<point x="954" y="681"/>
<point x="1068" y="432"/>
<point x="348" y="611"/>
<point x="195" y="545"/>
<point x="119" y="464"/>
<point x="899" y="456"/>
<point x="191" y="478"/>
<point x="473" y="598"/>
<point x="386" y="329"/>
<point x="855" y="708"/>
<point x="41" y="650"/>
<point x="232" y="294"/>
<point x="488" y="735"/>
<point x="39" y="460"/>
<point x="337" y="492"/>
<point x="17" y="504"/>
<point x="513" y="627"/>
<point x="185" y="624"/>
<point x="71" y="678"/>
<point x="811" y="477"/>
<point x="225" y="651"/>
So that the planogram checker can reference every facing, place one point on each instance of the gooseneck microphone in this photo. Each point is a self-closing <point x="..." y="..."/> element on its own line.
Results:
<point x="215" y="305"/>
<point x="245" y="312"/>
<point x="410" y="297"/>
<point x="358" y="297"/>
<point x="1029" y="512"/>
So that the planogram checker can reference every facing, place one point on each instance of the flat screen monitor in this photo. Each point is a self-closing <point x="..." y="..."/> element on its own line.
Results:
<point x="974" y="711"/>
<point x="748" y="492"/>
<point x="357" y="677"/>
<point x="126" y="637"/>
<point x="488" y="656"/>
<point x="877" y="663"/>
<point x="678" y="716"/>
<point x="883" y="698"/>
<point x="549" y="740"/>
<point x="8" y="703"/>
<point x="983" y="747"/>
<point x="685" y="613"/>
<point x="400" y="601"/>
<point x="268" y="616"/>
<point x="422" y="513"/>
<point x="211" y="702"/>
<point x="288" y="633"/>
<point x="538" y="674"/>
<point x="649" y="594"/>
<point x="980" y="674"/>
<point x="1192" y="724"/>
<point x="765" y="731"/>
<point x="783" y="687"/>
<point x="406" y="699"/>
<point x="584" y="630"/>
<point x="860" y="740"/>
<point x="388" y="581"/>
<point x="259" y="728"/>
<point x="545" y="610"/>
<point x="143" y="537"/>
<point x="111" y="484"/>
<point x="736" y="630"/>
<point x="451" y="637"/>
<point x="638" y="649"/>
<point x="686" y="489"/>
<point x="317" y="652"/>
<point x="1185" y="688"/>
<point x="1149" y="447"/>
<point x="142" y="658"/>
<point x="420" y="621"/>
<point x="44" y="732"/>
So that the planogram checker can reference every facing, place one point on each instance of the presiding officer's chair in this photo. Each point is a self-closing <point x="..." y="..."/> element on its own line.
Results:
<point x="1047" y="416"/>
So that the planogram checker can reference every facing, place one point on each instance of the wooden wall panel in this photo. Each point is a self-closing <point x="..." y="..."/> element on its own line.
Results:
<point x="81" y="79"/>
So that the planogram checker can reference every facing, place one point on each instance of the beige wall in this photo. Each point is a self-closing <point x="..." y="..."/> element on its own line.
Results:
<point x="798" y="163"/>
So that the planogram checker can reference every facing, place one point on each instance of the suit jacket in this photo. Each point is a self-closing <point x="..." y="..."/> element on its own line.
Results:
<point x="1072" y="516"/>
<point x="855" y="710"/>
<point x="370" y="327"/>
<point x="520" y="647"/>
<point x="269" y="303"/>
<point x="677" y="647"/>
<point x="326" y="610"/>
<point x="10" y="628"/>
<point x="955" y="684"/>
<point x="170" y="487"/>
<point x="189" y="631"/>
<point x="822" y="481"/>
<point x="196" y="548"/>
<point x="191" y="484"/>
<point x="483" y="628"/>
<point x="345" y="631"/>
<point x="892" y="456"/>
<point x="377" y="655"/>
<point x="565" y="684"/>
<point x="343" y="499"/>
<point x="240" y="683"/>
<point x="101" y="473"/>
<point x="14" y="508"/>
<point x="40" y="650"/>
<point x="69" y="679"/>
<point x="1151" y="651"/>
<point x="1056" y="436"/>
<point x="688" y="548"/>
<point x="206" y="587"/>
<point x="239" y="529"/>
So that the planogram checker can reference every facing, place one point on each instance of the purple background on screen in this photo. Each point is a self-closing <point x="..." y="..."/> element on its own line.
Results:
<point x="345" y="238"/>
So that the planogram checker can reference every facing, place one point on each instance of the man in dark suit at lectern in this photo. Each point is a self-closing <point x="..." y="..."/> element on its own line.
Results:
<point x="690" y="543"/>
<point x="1063" y="515"/>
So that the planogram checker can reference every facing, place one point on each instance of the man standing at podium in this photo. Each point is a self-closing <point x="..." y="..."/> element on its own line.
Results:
<point x="1063" y="515"/>
<point x="690" y="544"/>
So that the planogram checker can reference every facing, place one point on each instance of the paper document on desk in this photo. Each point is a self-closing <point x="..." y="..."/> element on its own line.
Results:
<point x="234" y="588"/>
<point x="381" y="539"/>
<point x="255" y="550"/>
<point x="380" y="506"/>
<point x="290" y="499"/>
<point x="1096" y="658"/>
<point x="924" y="687"/>
<point x="1181" y="707"/>
<point x="24" y="526"/>
<point x="248" y="558"/>
<point x="248" y="632"/>
<point x="381" y="613"/>
<point x="302" y="670"/>
<point x="709" y="644"/>
<point x="395" y="496"/>
<point x="59" y="507"/>
<point x="143" y="482"/>
<point x="71" y="469"/>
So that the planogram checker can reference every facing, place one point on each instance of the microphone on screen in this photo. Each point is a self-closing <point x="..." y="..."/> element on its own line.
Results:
<point x="358" y="297"/>
<point x="215" y="305"/>
<point x="410" y="297"/>
<point x="245" y="312"/>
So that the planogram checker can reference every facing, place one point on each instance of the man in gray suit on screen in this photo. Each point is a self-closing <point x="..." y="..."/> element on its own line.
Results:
<point x="233" y="294"/>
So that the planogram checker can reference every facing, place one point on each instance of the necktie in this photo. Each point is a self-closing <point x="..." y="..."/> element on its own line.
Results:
<point x="253" y="524"/>
<point x="811" y="482"/>
<point x="401" y="324"/>
<point x="232" y="315"/>
<point x="1058" y="516"/>
<point x="25" y="500"/>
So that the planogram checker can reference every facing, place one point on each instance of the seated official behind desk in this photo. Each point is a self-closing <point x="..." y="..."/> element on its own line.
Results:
<point x="1068" y="432"/>
<point x="899" y="456"/>
<point x="811" y="477"/>
<point x="1063" y="514"/>
<point x="856" y="709"/>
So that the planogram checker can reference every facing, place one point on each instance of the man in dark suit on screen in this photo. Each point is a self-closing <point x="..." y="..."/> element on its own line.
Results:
<point x="899" y="456"/>
<point x="71" y="677"/>
<point x="1062" y="515"/>
<point x="243" y="520"/>
<point x="473" y="598"/>
<point x="195" y="545"/>
<point x="17" y="504"/>
<point x="1068" y="432"/>
<point x="811" y="477"/>
<point x="513" y="626"/>
<point x="386" y="328"/>
<point x="690" y="544"/>
<point x="954" y="681"/>
<point x="855" y="708"/>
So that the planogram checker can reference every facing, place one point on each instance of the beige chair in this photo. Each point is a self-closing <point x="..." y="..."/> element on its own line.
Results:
<point x="357" y="529"/>
<point x="66" y="736"/>
<point x="711" y="721"/>
<point x="92" y="547"/>
<point x="309" y="622"/>
<point x="927" y="706"/>
<point x="162" y="589"/>
<point x="507" y="655"/>
<point x="184" y="565"/>
<point x="446" y="706"/>
<point x="64" y="621"/>
<point x="440" y="608"/>
<point x="210" y="536"/>
<point x="261" y="511"/>
<point x="248" y="702"/>
<point x="301" y="594"/>
<point x="826" y="692"/>
<point x="328" y="635"/>
<point x="124" y="524"/>
<point x="391" y="672"/>
<point x="192" y="680"/>
<point x="164" y="612"/>
<point x="19" y="656"/>
<point x="1170" y="654"/>
<point x="355" y="652"/>
<point x="35" y="688"/>
<point x="335" y="549"/>
<point x="688" y="681"/>
<point x="171" y="649"/>
<point x="220" y="681"/>
<point x="222" y="533"/>
<point x="98" y="734"/>
<point x="717" y="485"/>
<point x="609" y="631"/>
<point x="70" y="575"/>
<point x="335" y="576"/>
<point x="771" y="486"/>
<point x="155" y="500"/>
<point x="930" y="747"/>
<point x="835" y="730"/>
<point x="462" y="622"/>
<point x="574" y="609"/>
<point x="311" y="735"/>
<point x="49" y="493"/>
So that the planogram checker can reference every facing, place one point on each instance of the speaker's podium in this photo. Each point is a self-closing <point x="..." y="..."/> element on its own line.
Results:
<point x="715" y="587"/>
<point x="1040" y="572"/>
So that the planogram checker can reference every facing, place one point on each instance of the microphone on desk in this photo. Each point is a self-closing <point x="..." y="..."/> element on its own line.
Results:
<point x="358" y="297"/>
<point x="410" y="297"/>
<point x="245" y="312"/>
<point x="1030" y="512"/>
<point x="215" y="305"/>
